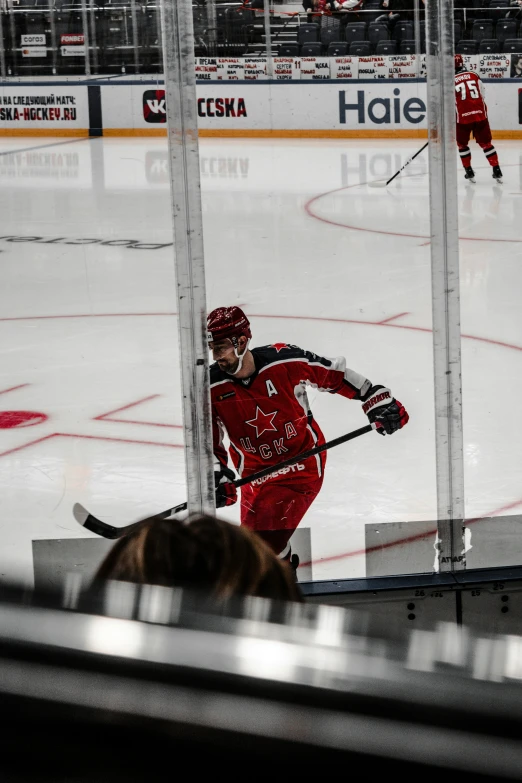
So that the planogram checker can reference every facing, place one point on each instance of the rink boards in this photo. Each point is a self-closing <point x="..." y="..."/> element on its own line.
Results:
<point x="373" y="107"/>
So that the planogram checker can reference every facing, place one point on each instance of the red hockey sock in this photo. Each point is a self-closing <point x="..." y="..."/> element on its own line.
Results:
<point x="465" y="156"/>
<point x="491" y="154"/>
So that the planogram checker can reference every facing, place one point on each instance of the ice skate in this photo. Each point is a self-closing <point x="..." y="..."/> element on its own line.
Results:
<point x="497" y="174"/>
<point x="469" y="174"/>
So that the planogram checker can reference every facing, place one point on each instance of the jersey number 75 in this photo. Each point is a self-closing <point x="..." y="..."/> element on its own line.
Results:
<point x="472" y="87"/>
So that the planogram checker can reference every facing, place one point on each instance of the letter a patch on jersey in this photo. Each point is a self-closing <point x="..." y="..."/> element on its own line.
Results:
<point x="270" y="388"/>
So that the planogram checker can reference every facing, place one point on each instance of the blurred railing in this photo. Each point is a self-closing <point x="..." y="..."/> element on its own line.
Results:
<point x="110" y="687"/>
<point x="83" y="38"/>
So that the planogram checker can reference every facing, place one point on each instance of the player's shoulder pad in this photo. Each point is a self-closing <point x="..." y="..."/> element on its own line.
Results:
<point x="286" y="352"/>
<point x="277" y="352"/>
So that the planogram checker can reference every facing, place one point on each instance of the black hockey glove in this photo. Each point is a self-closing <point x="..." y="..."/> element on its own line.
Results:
<point x="226" y="492"/>
<point x="381" y="408"/>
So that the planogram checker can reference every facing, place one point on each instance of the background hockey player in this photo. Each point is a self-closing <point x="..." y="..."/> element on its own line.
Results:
<point x="472" y="117"/>
<point x="259" y="400"/>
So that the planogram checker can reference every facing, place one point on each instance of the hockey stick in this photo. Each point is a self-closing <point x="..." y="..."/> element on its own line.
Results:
<point x="95" y="525"/>
<point x="380" y="184"/>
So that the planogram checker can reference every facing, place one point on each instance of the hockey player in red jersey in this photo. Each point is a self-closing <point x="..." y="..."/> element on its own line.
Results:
<point x="472" y="117"/>
<point x="259" y="400"/>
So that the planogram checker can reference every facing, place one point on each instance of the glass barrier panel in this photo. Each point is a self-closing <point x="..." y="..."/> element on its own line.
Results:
<point x="302" y="109"/>
<point x="90" y="401"/>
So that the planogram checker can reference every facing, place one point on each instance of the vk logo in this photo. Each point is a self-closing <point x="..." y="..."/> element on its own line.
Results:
<point x="154" y="108"/>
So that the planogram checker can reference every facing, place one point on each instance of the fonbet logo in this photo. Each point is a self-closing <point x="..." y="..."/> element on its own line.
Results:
<point x="381" y="111"/>
<point x="70" y="38"/>
<point x="154" y="109"/>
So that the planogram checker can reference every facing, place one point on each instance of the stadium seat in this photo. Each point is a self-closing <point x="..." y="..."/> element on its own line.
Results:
<point x="378" y="32"/>
<point x="221" y="17"/>
<point x="407" y="46"/>
<point x="489" y="46"/>
<point x="355" y="31"/>
<point x="241" y="16"/>
<point x="497" y="9"/>
<point x="465" y="46"/>
<point x="386" y="47"/>
<point x="360" y="48"/>
<point x="330" y="31"/>
<point x="372" y="10"/>
<point x="337" y="49"/>
<point x="240" y="30"/>
<point x="481" y="28"/>
<point x="457" y="31"/>
<point x="313" y="49"/>
<point x="288" y="50"/>
<point x="480" y="11"/>
<point x="308" y="33"/>
<point x="512" y="46"/>
<point x="403" y="31"/>
<point x="506" y="28"/>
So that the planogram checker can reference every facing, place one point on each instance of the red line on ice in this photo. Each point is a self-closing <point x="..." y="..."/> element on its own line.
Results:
<point x="109" y="416"/>
<point x="14" y="388"/>
<point x="350" y="227"/>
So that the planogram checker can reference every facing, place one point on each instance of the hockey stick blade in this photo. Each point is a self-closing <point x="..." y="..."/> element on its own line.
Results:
<point x="95" y="525"/>
<point x="377" y="184"/>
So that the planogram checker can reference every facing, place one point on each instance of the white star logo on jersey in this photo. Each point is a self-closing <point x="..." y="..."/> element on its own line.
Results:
<point x="263" y="422"/>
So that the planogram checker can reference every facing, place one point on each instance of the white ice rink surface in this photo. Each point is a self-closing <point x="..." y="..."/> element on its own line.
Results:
<point x="90" y="406"/>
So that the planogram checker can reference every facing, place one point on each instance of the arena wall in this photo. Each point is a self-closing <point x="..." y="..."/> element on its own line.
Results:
<point x="379" y="106"/>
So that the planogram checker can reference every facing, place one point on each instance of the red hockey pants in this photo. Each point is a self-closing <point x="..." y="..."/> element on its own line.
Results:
<point x="482" y="135"/>
<point x="274" y="510"/>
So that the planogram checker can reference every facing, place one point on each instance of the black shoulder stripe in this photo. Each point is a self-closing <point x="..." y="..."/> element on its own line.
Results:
<point x="217" y="375"/>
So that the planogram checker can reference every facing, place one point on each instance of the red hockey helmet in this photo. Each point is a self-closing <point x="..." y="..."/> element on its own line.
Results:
<point x="459" y="63"/>
<point x="228" y="322"/>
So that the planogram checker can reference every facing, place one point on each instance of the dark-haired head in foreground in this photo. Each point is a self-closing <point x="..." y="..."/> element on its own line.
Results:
<point x="201" y="553"/>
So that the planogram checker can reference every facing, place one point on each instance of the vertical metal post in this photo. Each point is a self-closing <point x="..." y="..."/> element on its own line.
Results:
<point x="85" y="25"/>
<point x="417" y="35"/>
<point x="268" y="40"/>
<point x="135" y="44"/>
<point x="54" y="40"/>
<point x="15" y="45"/>
<point x="445" y="283"/>
<point x="159" y="34"/>
<point x="182" y="128"/>
<point x="93" y="11"/>
<point x="3" y="72"/>
<point x="212" y="27"/>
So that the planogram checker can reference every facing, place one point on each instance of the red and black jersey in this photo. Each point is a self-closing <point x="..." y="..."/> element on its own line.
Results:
<point x="469" y="98"/>
<point x="267" y="416"/>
